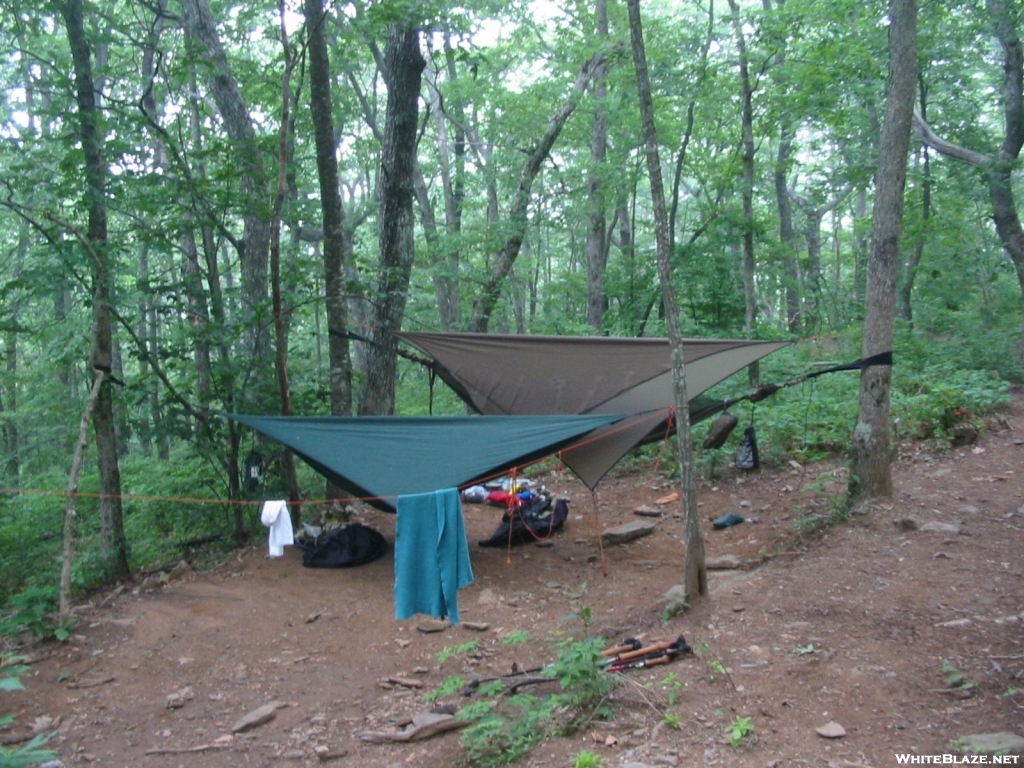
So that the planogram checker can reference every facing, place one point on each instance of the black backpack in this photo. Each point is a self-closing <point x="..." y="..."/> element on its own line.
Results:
<point x="530" y="521"/>
<point x="353" y="544"/>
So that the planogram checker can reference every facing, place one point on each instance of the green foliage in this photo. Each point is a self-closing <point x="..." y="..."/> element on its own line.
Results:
<point x="932" y="401"/>
<point x="516" y="638"/>
<point x="457" y="650"/>
<point x="715" y="667"/>
<point x="738" y="730"/>
<point x="955" y="678"/>
<point x="675" y="607"/>
<point x="34" y="611"/>
<point x="503" y="730"/>
<point x="585" y="759"/>
<point x="31" y="753"/>
<point x="449" y="686"/>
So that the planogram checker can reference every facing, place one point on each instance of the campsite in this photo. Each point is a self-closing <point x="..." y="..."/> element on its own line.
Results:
<point x="601" y="384"/>
<point x="858" y="623"/>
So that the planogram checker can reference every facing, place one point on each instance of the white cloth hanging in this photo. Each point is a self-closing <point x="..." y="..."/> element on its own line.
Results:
<point x="278" y="519"/>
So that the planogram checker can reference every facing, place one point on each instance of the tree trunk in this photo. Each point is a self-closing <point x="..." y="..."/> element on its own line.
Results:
<point x="914" y="260"/>
<point x="332" y="210"/>
<point x="597" y="251"/>
<point x="254" y="189"/>
<point x="72" y="493"/>
<point x="695" y="581"/>
<point x="280" y="333"/>
<point x="403" y="68"/>
<point x="747" y="129"/>
<point x="115" y="547"/>
<point x="871" y="471"/>
<point x="791" y="285"/>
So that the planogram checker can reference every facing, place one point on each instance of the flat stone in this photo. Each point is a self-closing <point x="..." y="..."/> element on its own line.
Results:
<point x="180" y="571"/>
<point x="293" y="754"/>
<point x="258" y="717"/>
<point x="938" y="527"/>
<point x="645" y="510"/>
<point x="969" y="510"/>
<point x="476" y="626"/>
<point x="906" y="524"/>
<point x="830" y="730"/>
<point x="992" y="743"/>
<point x="955" y="623"/>
<point x="424" y="725"/>
<point x="432" y="625"/>
<point x="177" y="699"/>
<point x="634" y="529"/>
<point x="486" y="597"/>
<point x="722" y="563"/>
<point x="544" y="543"/>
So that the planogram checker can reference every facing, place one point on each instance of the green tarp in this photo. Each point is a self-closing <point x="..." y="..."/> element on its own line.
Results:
<point x="379" y="458"/>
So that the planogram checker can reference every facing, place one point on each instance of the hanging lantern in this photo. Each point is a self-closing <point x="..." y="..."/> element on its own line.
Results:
<point x="252" y="471"/>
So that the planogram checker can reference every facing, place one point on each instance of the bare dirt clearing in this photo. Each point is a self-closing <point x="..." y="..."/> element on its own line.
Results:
<point x="855" y="624"/>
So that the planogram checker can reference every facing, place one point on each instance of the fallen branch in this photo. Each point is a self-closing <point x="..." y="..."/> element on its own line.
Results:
<point x="92" y="683"/>
<point x="186" y="750"/>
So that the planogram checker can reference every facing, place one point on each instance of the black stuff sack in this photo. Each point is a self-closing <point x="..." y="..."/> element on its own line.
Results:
<point x="353" y="544"/>
<point x="746" y="453"/>
<point x="530" y="521"/>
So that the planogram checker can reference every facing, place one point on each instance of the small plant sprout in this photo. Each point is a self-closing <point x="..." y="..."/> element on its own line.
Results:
<point x="586" y="759"/>
<point x="738" y="731"/>
<point x="457" y="650"/>
<point x="517" y="638"/>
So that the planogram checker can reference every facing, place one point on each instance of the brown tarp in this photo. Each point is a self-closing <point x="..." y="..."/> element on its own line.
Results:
<point x="516" y="374"/>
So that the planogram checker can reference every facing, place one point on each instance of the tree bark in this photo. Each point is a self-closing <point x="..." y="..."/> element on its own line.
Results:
<point x="517" y="219"/>
<point x="597" y="251"/>
<point x="70" y="497"/>
<point x="280" y="332"/>
<point x="115" y="547"/>
<point x="871" y="453"/>
<point x="787" y="235"/>
<point x="914" y="259"/>
<point x="403" y="68"/>
<point x="332" y="210"/>
<point x="747" y="130"/>
<point x="695" y="579"/>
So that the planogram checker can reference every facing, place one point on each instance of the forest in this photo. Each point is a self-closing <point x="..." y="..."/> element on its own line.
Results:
<point x="214" y="207"/>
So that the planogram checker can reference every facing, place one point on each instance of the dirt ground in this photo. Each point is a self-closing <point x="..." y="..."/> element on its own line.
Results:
<point x="861" y="624"/>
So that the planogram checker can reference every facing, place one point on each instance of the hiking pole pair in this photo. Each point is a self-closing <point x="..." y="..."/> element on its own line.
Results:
<point x="660" y="655"/>
<point x="630" y="644"/>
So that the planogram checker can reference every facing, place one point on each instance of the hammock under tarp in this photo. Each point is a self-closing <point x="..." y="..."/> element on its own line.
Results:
<point x="519" y="374"/>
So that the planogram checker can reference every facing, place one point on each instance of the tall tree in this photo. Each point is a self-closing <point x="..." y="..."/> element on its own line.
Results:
<point x="914" y="257"/>
<point x="320" y="103"/>
<point x="871" y="451"/>
<point x="403" y="69"/>
<point x="517" y="218"/>
<point x="695" y="579"/>
<point x="999" y="167"/>
<point x="747" y="131"/>
<point x="597" y="245"/>
<point x="115" y="546"/>
<point x="253" y="184"/>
